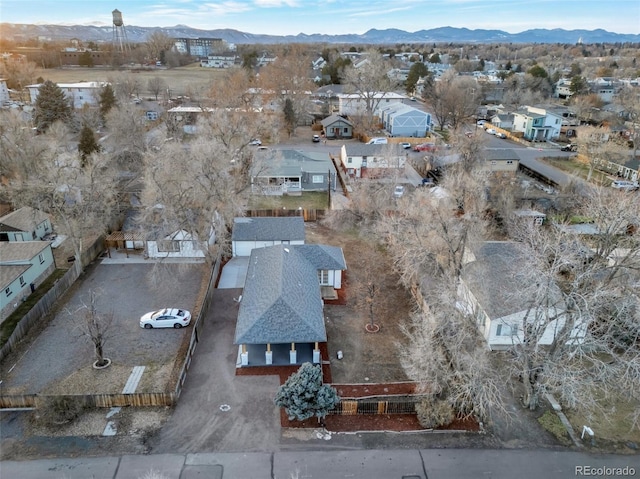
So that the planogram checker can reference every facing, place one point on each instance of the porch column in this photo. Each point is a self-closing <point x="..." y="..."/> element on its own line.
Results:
<point x="316" y="354"/>
<point x="293" y="354"/>
<point x="244" y="356"/>
<point x="268" y="355"/>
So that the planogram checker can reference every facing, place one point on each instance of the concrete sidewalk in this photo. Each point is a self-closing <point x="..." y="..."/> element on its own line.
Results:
<point x="361" y="464"/>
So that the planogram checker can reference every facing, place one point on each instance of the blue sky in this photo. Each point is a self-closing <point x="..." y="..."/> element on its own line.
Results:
<point x="284" y="17"/>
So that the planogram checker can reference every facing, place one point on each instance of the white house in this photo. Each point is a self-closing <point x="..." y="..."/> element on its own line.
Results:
<point x="359" y="160"/>
<point x="79" y="94"/>
<point x="219" y="60"/>
<point x="404" y="120"/>
<point x="180" y="244"/>
<point x="251" y="233"/>
<point x="490" y="292"/>
<point x="24" y="265"/>
<point x="537" y="124"/>
<point x="356" y="103"/>
<point x="25" y="224"/>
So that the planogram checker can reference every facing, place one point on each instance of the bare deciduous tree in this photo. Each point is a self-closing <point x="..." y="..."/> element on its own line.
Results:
<point x="594" y="350"/>
<point x="95" y="326"/>
<point x="369" y="80"/>
<point x="453" y="99"/>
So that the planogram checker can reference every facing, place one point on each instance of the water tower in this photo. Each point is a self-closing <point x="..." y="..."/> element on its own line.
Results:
<point x="120" y="42"/>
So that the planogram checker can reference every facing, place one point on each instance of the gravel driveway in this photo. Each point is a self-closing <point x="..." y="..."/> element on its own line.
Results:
<point x="55" y="354"/>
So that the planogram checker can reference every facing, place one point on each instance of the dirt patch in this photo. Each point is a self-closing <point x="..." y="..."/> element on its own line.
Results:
<point x="366" y="357"/>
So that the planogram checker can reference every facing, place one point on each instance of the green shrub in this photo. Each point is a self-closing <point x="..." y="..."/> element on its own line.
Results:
<point x="433" y="413"/>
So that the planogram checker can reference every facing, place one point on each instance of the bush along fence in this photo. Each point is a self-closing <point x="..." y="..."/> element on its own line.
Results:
<point x="154" y="399"/>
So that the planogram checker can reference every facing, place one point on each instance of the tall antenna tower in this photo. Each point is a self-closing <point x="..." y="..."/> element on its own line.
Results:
<point x="120" y="42"/>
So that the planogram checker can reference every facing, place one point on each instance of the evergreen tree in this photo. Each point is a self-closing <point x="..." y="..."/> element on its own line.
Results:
<point x="51" y="105"/>
<point x="85" y="59"/>
<point x="416" y="71"/>
<point x="87" y="144"/>
<point x="107" y="100"/>
<point x="289" y="116"/>
<point x="303" y="395"/>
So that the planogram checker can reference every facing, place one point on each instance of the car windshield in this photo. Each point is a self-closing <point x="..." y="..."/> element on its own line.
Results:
<point x="160" y="312"/>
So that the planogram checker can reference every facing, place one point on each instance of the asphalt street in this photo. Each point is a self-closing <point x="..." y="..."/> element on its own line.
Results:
<point x="369" y="464"/>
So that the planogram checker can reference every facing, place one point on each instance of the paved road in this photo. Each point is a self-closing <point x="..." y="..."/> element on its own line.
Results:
<point x="371" y="464"/>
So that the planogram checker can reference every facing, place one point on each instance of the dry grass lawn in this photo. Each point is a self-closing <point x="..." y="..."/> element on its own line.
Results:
<point x="179" y="80"/>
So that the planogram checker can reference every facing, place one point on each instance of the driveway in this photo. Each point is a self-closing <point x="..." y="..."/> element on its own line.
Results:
<point x="59" y="351"/>
<point x="217" y="410"/>
<point x="234" y="273"/>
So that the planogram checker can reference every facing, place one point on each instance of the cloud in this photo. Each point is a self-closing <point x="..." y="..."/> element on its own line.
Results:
<point x="277" y="3"/>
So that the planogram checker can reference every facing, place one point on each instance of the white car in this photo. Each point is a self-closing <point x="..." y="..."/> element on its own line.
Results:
<point x="398" y="192"/>
<point x="406" y="145"/>
<point x="255" y="142"/>
<point x="491" y="131"/>
<point x="625" y="185"/>
<point x="166" y="318"/>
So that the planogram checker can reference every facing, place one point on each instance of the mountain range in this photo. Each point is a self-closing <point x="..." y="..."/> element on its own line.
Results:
<point x="99" y="33"/>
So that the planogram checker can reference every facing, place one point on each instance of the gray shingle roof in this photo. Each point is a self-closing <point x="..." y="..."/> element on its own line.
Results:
<point x="361" y="149"/>
<point x="323" y="256"/>
<point x="281" y="301"/>
<point x="268" y="228"/>
<point x="15" y="252"/>
<point x="334" y="118"/>
<point x="23" y="219"/>
<point x="491" y="278"/>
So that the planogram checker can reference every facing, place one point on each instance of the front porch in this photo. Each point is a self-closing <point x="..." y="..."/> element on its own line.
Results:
<point x="287" y="354"/>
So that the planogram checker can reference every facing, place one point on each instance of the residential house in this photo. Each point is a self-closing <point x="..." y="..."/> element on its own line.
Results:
<point x="260" y="232"/>
<point x="537" y="124"/>
<point x="535" y="217"/>
<point x="356" y="103"/>
<point x="24" y="265"/>
<point x="503" y="120"/>
<point x="180" y="244"/>
<point x="501" y="162"/>
<point x="281" y="318"/>
<point x="359" y="160"/>
<point x="405" y="121"/>
<point x="25" y="224"/>
<point x="605" y="88"/>
<point x="292" y="172"/>
<point x="78" y="94"/>
<point x="491" y="292"/>
<point x="563" y="88"/>
<point x="219" y="60"/>
<point x="336" y="126"/>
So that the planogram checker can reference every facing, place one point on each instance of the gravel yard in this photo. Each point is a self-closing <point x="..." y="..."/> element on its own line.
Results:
<point x="57" y="358"/>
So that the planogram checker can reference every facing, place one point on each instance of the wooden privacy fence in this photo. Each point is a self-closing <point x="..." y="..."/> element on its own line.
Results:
<point x="41" y="308"/>
<point x="379" y="405"/>
<point x="307" y="214"/>
<point x="134" y="399"/>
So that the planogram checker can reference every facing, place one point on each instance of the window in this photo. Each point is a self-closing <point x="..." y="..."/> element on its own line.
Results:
<point x="323" y="276"/>
<point x="41" y="258"/>
<point x="509" y="162"/>
<point x="317" y="179"/>
<point x="506" y="329"/>
<point x="168" y="246"/>
<point x="7" y="292"/>
<point x="346" y="130"/>
<point x="349" y="160"/>
<point x="22" y="281"/>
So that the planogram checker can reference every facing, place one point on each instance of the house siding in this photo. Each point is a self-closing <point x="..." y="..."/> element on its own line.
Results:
<point x="37" y="271"/>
